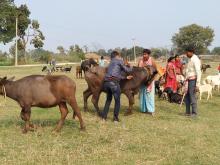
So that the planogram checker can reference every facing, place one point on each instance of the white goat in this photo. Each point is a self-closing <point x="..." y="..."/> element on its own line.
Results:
<point x="205" y="88"/>
<point x="212" y="77"/>
<point x="215" y="82"/>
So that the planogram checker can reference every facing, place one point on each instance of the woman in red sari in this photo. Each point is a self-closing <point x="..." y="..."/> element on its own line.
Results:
<point x="171" y="75"/>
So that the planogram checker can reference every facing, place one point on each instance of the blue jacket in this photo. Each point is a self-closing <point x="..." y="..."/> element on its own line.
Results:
<point x="116" y="69"/>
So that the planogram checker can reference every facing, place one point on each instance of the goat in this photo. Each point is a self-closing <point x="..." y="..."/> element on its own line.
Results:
<point x="205" y="88"/>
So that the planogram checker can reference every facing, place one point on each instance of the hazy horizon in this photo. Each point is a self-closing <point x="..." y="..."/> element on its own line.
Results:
<point x="111" y="24"/>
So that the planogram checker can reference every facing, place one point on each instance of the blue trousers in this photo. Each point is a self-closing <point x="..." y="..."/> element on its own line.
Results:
<point x="190" y="98"/>
<point x="147" y="99"/>
<point x="112" y="89"/>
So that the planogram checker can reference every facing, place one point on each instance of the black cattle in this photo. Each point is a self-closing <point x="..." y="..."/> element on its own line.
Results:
<point x="204" y="67"/>
<point x="95" y="76"/>
<point x="67" y="69"/>
<point x="173" y="97"/>
<point x="87" y="64"/>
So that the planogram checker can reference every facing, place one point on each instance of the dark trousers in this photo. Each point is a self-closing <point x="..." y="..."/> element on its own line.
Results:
<point x="190" y="98"/>
<point x="112" y="89"/>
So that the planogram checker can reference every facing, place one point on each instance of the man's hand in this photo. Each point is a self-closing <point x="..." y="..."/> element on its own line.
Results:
<point x="129" y="77"/>
<point x="196" y="89"/>
<point x="126" y="62"/>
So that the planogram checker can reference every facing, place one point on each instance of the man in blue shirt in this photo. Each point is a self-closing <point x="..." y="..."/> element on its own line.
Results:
<point x="111" y="85"/>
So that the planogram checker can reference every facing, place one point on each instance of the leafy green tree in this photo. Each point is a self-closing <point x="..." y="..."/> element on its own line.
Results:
<point x="27" y="30"/>
<point x="71" y="49"/>
<point x="7" y="20"/>
<point x="41" y="55"/>
<point x="102" y="52"/>
<point x="193" y="35"/>
<point x="77" y="52"/>
<point x="85" y="48"/>
<point x="158" y="52"/>
<point x="61" y="50"/>
<point x="216" y="51"/>
<point x="124" y="52"/>
<point x="34" y="34"/>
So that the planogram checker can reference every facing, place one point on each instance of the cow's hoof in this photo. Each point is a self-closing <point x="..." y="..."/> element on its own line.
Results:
<point x="85" y="109"/>
<point x="127" y="113"/>
<point x="33" y="126"/>
<point x="74" y="116"/>
<point x="83" y="129"/>
<point x="24" y="131"/>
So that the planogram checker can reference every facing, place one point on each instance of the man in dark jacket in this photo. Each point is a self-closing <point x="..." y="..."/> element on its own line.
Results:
<point x="111" y="85"/>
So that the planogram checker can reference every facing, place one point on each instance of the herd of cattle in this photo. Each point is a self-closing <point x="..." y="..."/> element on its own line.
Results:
<point x="52" y="90"/>
<point x="52" y="69"/>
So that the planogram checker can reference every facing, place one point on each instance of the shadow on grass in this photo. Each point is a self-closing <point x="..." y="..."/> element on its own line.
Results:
<point x="39" y="123"/>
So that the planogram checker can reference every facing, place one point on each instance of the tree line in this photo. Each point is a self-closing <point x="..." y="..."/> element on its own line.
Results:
<point x="28" y="31"/>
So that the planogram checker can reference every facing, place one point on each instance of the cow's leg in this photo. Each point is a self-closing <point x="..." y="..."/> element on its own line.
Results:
<point x="76" y="74"/>
<point x="86" y="95"/>
<point x="95" y="101"/>
<point x="130" y="97"/>
<point x="25" y="115"/>
<point x="77" y="112"/>
<point x="64" y="112"/>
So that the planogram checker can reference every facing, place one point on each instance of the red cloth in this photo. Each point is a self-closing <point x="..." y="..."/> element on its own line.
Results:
<point x="171" y="77"/>
<point x="178" y="67"/>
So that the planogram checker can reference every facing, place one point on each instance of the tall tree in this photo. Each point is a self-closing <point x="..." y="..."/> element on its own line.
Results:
<point x="61" y="50"/>
<point x="216" y="51"/>
<point x="27" y="30"/>
<point x="34" y="34"/>
<point x="193" y="35"/>
<point x="7" y="20"/>
<point x="102" y="52"/>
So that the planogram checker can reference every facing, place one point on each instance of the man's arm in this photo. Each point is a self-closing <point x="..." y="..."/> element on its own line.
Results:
<point x="125" y="68"/>
<point x="197" y="65"/>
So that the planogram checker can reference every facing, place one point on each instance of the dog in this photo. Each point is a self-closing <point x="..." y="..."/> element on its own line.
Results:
<point x="173" y="97"/>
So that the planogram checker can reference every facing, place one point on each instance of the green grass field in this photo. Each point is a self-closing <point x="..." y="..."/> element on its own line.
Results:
<point x="167" y="138"/>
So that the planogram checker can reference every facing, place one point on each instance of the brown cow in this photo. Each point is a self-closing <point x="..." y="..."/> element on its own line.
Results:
<point x="95" y="77"/>
<point x="42" y="91"/>
<point x="78" y="72"/>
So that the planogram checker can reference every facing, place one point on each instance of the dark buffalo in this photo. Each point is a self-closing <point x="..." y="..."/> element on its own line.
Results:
<point x="87" y="64"/>
<point x="42" y="91"/>
<point x="78" y="72"/>
<point x="95" y="77"/>
<point x="204" y="67"/>
<point x="67" y="69"/>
